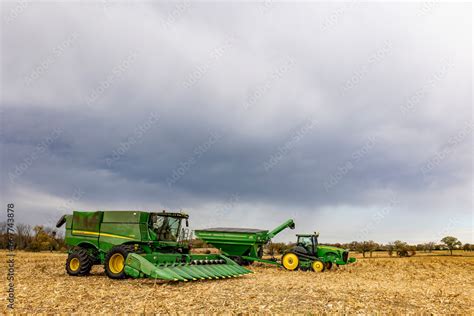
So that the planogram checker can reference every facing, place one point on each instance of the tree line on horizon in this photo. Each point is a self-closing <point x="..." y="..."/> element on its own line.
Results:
<point x="41" y="238"/>
<point x="398" y="247"/>
<point x="32" y="238"/>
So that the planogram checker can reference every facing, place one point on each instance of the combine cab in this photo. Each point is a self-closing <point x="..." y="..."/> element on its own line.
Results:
<point x="139" y="244"/>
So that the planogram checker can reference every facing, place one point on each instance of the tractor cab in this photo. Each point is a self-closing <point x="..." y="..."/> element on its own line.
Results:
<point x="309" y="242"/>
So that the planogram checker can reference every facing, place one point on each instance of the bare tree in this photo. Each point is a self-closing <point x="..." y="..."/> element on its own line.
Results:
<point x="390" y="248"/>
<point x="372" y="246"/>
<point x="23" y="235"/>
<point x="366" y="246"/>
<point x="430" y="246"/>
<point x="401" y="248"/>
<point x="3" y="235"/>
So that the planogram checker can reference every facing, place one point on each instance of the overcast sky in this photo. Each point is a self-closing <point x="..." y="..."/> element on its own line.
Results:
<point x="353" y="119"/>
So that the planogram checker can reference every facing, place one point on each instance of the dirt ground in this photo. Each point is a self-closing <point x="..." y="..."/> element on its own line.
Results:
<point x="420" y="284"/>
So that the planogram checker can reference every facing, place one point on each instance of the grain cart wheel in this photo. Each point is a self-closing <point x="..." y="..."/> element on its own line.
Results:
<point x="290" y="261"/>
<point x="78" y="263"/>
<point x="328" y="265"/>
<point x="317" y="266"/>
<point x="238" y="260"/>
<point x="115" y="261"/>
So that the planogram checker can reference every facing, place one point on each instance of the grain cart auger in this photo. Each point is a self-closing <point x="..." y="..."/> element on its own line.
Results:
<point x="244" y="245"/>
<point x="139" y="244"/>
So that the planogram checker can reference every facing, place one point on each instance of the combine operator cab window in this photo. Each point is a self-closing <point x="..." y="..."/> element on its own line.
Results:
<point x="166" y="227"/>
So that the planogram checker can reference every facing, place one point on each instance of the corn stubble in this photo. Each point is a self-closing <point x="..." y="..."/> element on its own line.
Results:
<point x="431" y="284"/>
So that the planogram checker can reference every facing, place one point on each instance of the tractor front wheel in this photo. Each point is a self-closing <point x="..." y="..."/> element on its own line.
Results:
<point x="78" y="263"/>
<point x="290" y="261"/>
<point x="318" y="266"/>
<point x="115" y="261"/>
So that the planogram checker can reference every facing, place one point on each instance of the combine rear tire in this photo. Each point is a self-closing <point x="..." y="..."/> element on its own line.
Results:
<point x="115" y="261"/>
<point x="79" y="263"/>
<point x="290" y="261"/>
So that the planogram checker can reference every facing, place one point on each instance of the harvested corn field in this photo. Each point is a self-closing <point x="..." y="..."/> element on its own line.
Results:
<point x="432" y="284"/>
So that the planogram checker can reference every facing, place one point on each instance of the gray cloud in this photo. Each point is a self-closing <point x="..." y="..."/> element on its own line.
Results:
<point x="254" y="75"/>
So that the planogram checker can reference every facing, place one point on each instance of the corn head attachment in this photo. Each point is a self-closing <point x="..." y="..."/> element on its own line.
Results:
<point x="139" y="244"/>
<point x="198" y="268"/>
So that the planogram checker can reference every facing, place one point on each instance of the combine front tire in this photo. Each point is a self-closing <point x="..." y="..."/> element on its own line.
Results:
<point x="78" y="263"/>
<point x="115" y="261"/>
<point x="290" y="261"/>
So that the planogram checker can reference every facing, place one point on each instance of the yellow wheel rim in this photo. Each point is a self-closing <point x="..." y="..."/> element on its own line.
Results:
<point x="116" y="263"/>
<point x="318" y="266"/>
<point x="290" y="261"/>
<point x="74" y="264"/>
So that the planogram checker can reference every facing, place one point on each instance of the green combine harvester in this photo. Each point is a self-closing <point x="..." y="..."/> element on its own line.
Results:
<point x="139" y="244"/>
<point x="245" y="246"/>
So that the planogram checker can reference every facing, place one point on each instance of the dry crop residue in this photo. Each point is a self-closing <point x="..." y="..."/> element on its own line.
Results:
<point x="432" y="284"/>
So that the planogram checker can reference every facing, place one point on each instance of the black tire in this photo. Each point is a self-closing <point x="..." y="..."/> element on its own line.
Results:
<point x="237" y="260"/>
<point x="260" y="252"/>
<point x="331" y="256"/>
<point x="241" y="261"/>
<point x="117" y="254"/>
<point x="246" y="262"/>
<point x="79" y="263"/>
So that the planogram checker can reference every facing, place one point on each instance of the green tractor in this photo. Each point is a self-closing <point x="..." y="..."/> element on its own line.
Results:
<point x="245" y="246"/>
<point x="307" y="254"/>
<point x="139" y="244"/>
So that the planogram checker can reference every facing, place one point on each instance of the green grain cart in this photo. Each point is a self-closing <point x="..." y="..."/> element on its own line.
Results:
<point x="139" y="244"/>
<point x="245" y="246"/>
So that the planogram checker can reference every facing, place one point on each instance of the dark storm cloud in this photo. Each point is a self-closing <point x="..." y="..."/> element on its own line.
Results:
<point x="296" y="110"/>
